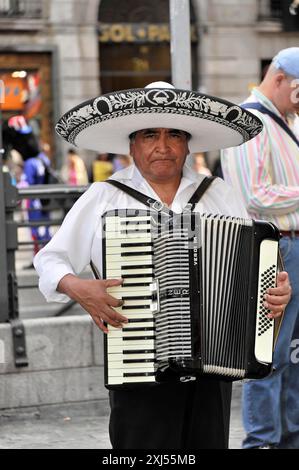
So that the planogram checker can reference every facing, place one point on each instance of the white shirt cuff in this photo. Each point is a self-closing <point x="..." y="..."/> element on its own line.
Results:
<point x="48" y="285"/>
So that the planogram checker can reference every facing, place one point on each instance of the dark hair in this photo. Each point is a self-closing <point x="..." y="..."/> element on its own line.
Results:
<point x="132" y="135"/>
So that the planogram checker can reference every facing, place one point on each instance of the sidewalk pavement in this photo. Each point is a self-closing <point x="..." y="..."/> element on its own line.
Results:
<point x="77" y="431"/>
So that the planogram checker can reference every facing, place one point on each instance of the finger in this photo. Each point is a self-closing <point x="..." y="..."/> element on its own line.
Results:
<point x="113" y="301"/>
<point x="99" y="322"/>
<point x="282" y="290"/>
<point x="274" y="308"/>
<point x="276" y="299"/>
<point x="112" y="317"/>
<point x="116" y="314"/>
<point x="273" y="315"/>
<point x="106" y="314"/>
<point x="282" y="277"/>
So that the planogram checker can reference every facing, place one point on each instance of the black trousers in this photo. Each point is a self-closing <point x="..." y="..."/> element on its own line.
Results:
<point x="191" y="415"/>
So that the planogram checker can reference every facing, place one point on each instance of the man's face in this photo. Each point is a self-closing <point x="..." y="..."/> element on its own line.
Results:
<point x="159" y="153"/>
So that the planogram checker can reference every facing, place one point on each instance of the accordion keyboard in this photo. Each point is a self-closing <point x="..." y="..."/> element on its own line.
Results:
<point x="129" y="255"/>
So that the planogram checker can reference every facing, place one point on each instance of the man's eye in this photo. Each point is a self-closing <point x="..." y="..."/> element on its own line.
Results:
<point x="175" y="135"/>
<point x="149" y="136"/>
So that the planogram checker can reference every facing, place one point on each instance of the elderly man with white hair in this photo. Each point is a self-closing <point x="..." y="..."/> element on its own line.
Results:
<point x="265" y="173"/>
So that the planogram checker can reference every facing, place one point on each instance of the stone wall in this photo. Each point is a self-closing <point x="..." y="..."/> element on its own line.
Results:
<point x="65" y="365"/>
<point x="232" y="44"/>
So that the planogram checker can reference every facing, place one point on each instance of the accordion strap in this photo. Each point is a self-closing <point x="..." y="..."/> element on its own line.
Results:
<point x="202" y="188"/>
<point x="274" y="116"/>
<point x="157" y="205"/>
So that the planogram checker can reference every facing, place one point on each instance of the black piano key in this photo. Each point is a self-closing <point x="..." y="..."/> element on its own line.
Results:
<point x="135" y="284"/>
<point x="136" y="297"/>
<point x="135" y="222"/>
<point x="138" y="374"/>
<point x="134" y="307"/>
<point x="137" y="361"/>
<point x="132" y="245"/>
<point x="135" y="338"/>
<point x="127" y="231"/>
<point x="136" y="253"/>
<point x="133" y="276"/>
<point x="149" y="328"/>
<point x="140" y="320"/>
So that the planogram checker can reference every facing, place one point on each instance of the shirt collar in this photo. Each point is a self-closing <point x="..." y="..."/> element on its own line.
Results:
<point x="132" y="174"/>
<point x="257" y="94"/>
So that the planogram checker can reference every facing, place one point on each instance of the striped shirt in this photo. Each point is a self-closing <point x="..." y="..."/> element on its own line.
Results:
<point x="265" y="170"/>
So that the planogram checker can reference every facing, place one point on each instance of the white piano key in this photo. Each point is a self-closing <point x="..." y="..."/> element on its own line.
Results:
<point x="129" y="291"/>
<point x="142" y="324"/>
<point x="120" y="333"/>
<point x="117" y="258"/>
<point x="131" y="367"/>
<point x="118" y="273"/>
<point x="110" y="221"/>
<point x="116" y="250"/>
<point x="123" y="380"/>
<point x="118" y="270"/>
<point x="130" y="345"/>
<point x="122" y="357"/>
<point x="127" y="235"/>
<point x="137" y="280"/>
<point x="136" y="303"/>
<point x="126" y="370"/>
<point x="135" y="313"/>
<point x="118" y="356"/>
<point x="147" y="238"/>
<point x="133" y="223"/>
<point x="124" y="264"/>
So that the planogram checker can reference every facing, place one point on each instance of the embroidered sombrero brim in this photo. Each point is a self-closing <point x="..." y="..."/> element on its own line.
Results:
<point x="104" y="123"/>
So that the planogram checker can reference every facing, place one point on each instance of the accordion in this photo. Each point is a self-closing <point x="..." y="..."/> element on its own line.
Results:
<point x="193" y="290"/>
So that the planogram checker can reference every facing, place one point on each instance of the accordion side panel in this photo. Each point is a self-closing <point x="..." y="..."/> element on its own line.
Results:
<point x="255" y="368"/>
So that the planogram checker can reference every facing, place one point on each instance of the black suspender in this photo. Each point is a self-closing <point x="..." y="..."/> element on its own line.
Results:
<point x="149" y="201"/>
<point x="202" y="188"/>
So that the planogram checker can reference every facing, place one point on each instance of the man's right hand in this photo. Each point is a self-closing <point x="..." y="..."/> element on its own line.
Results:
<point x="92" y="295"/>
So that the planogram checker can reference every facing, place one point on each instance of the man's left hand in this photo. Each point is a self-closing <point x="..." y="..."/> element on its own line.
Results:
<point x="277" y="298"/>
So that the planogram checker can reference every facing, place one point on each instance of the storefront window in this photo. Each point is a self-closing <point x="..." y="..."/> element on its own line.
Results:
<point x="134" y="42"/>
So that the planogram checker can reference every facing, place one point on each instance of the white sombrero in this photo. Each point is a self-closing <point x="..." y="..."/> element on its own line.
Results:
<point x="104" y="123"/>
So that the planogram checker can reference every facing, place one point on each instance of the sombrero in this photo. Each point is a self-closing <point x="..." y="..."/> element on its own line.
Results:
<point x="104" y="123"/>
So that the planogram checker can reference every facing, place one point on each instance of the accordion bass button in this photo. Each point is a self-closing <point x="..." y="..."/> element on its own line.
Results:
<point x="187" y="378"/>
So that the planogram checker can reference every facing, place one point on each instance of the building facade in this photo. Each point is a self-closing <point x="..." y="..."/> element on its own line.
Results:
<point x="57" y="53"/>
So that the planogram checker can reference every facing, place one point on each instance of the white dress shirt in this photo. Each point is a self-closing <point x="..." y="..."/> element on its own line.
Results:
<point x="79" y="238"/>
